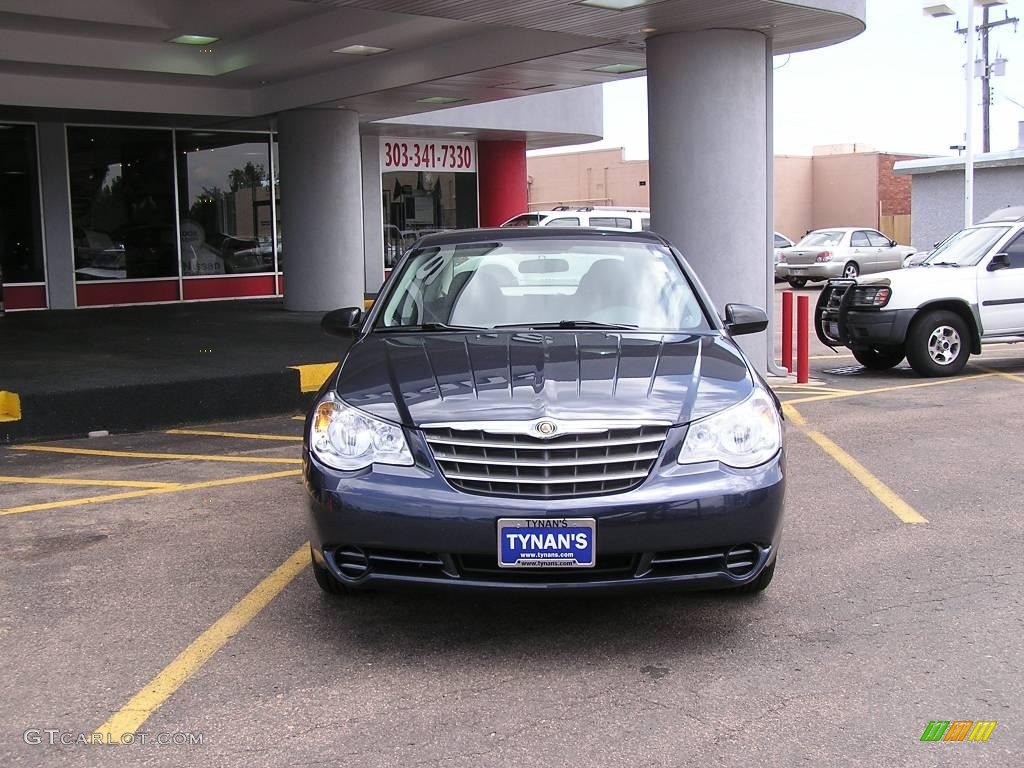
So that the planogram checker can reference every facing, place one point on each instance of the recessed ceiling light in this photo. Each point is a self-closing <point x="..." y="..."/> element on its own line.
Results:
<point x="618" y="69"/>
<point x="616" y="5"/>
<point x="522" y="87"/>
<point x="361" y="50"/>
<point x="194" y="40"/>
<point x="649" y="29"/>
<point x="461" y="133"/>
<point x="439" y="100"/>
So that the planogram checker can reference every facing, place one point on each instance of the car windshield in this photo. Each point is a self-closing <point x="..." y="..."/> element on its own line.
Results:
<point x="967" y="247"/>
<point x="824" y="238"/>
<point x="543" y="282"/>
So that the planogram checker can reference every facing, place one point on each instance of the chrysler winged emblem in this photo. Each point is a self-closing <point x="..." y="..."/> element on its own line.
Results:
<point x="546" y="428"/>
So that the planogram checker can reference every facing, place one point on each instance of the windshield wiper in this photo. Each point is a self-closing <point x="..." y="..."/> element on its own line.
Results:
<point x="427" y="327"/>
<point x="570" y="324"/>
<point x="945" y="264"/>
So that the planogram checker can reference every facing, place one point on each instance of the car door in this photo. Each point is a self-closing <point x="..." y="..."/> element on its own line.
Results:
<point x="862" y="252"/>
<point x="1001" y="292"/>
<point x="887" y="255"/>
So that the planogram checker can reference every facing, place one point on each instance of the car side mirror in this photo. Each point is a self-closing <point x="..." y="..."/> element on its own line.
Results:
<point x="742" y="319"/>
<point x="893" y="243"/>
<point x="999" y="261"/>
<point x="342" y="322"/>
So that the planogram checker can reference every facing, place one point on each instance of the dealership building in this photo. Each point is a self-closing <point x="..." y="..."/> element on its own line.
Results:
<point x="158" y="151"/>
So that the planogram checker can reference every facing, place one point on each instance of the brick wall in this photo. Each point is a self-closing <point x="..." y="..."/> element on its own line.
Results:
<point x="893" y="191"/>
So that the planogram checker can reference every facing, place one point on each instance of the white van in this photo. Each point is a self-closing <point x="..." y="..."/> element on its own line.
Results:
<point x="599" y="218"/>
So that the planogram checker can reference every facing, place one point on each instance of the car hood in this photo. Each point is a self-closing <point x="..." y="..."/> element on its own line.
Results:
<point x="918" y="277"/>
<point x="422" y="378"/>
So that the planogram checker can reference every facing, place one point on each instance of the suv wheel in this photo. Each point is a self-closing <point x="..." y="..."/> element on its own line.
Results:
<point x="879" y="358"/>
<point x="324" y="579"/>
<point x="939" y="344"/>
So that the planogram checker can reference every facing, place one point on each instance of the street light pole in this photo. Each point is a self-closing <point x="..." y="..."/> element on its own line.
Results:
<point x="969" y="117"/>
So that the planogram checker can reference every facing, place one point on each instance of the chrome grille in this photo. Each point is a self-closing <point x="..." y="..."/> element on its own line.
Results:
<point x="574" y="464"/>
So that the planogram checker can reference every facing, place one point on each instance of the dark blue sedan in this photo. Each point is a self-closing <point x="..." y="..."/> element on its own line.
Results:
<point x="548" y="410"/>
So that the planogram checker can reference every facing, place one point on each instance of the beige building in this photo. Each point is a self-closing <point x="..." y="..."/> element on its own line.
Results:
<point x="837" y="185"/>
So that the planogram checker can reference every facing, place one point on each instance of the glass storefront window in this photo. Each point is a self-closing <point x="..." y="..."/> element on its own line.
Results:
<point x="224" y="191"/>
<point x="419" y="202"/>
<point x="21" y="239"/>
<point x="122" y="203"/>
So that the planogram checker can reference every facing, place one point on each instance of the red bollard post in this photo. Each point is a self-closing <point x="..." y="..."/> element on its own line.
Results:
<point x="803" y="362"/>
<point x="787" y="330"/>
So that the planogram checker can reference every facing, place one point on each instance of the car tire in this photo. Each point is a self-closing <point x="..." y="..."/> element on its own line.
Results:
<point x="798" y="282"/>
<point x="938" y="344"/>
<point x="879" y="358"/>
<point x="760" y="584"/>
<point x="325" y="579"/>
<point x="851" y="270"/>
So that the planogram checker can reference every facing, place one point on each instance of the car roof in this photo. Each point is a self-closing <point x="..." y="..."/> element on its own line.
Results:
<point x="462" y="236"/>
<point x="1005" y="215"/>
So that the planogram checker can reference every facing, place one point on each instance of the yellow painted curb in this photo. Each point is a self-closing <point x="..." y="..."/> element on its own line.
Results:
<point x="313" y="375"/>
<point x="10" y="406"/>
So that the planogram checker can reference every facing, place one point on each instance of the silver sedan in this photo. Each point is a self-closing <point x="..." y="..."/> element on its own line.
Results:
<point x="839" y="252"/>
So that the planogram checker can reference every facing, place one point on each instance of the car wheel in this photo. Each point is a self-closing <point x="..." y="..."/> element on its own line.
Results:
<point x="324" y="579"/>
<point x="938" y="344"/>
<point x="760" y="584"/>
<point x="879" y="358"/>
<point x="798" y="282"/>
<point x="851" y="270"/>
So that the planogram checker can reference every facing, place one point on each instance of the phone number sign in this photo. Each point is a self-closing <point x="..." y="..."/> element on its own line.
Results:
<point x="427" y="155"/>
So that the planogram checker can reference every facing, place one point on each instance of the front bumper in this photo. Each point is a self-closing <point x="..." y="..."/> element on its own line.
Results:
<point x="682" y="527"/>
<point x="836" y="323"/>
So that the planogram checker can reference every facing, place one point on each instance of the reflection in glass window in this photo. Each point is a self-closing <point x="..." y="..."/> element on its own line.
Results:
<point x="122" y="203"/>
<point x="224" y="203"/>
<point x="21" y="241"/>
<point x="417" y="203"/>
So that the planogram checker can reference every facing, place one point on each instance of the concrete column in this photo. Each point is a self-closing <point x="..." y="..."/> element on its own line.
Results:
<point x="373" y="215"/>
<point x="501" y="176"/>
<point x="60" y="252"/>
<point x="709" y="153"/>
<point x="321" y="209"/>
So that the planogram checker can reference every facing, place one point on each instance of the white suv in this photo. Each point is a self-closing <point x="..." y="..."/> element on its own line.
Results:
<point x="969" y="292"/>
<point x="600" y="218"/>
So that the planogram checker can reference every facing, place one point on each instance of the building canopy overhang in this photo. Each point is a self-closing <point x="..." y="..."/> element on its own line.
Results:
<point x="275" y="55"/>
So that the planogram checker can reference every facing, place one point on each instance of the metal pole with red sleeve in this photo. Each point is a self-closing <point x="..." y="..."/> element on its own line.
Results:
<point x="787" y="330"/>
<point x="803" y="362"/>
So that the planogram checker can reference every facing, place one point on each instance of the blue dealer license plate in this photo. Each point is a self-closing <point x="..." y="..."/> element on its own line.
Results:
<point x="556" y="542"/>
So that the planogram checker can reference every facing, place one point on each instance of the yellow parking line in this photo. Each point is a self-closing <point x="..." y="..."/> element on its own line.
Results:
<point x="147" y="492"/>
<point x="249" y="435"/>
<point x="827" y="357"/>
<point x="880" y="490"/>
<point x="144" y="455"/>
<point x="1003" y="374"/>
<point x="132" y="715"/>
<point x="298" y="418"/>
<point x="877" y="390"/>
<point x="80" y="481"/>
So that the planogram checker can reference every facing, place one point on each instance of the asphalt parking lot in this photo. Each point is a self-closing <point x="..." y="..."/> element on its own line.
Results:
<point x="157" y="584"/>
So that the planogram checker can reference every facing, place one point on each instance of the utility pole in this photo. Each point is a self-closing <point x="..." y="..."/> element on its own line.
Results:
<point x="984" y="29"/>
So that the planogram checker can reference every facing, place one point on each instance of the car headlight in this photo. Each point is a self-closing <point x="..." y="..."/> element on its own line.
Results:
<point x="870" y="296"/>
<point x="345" y="438"/>
<point x="745" y="435"/>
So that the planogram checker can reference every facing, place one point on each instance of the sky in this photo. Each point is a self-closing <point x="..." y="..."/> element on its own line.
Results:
<point x="897" y="87"/>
